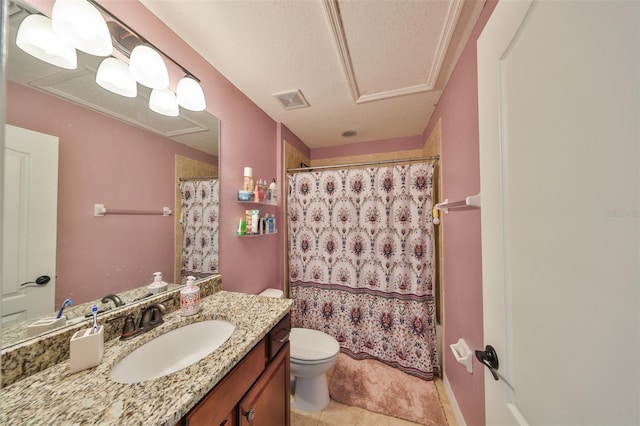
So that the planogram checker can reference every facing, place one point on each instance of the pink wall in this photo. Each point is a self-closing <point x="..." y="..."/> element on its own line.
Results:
<point x="105" y="161"/>
<point x="248" y="138"/>
<point x="462" y="274"/>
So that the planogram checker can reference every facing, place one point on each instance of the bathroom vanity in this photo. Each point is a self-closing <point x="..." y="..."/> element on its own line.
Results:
<point x="256" y="391"/>
<point x="245" y="381"/>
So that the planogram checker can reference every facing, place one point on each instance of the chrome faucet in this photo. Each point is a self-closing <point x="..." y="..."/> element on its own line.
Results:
<point x="114" y="298"/>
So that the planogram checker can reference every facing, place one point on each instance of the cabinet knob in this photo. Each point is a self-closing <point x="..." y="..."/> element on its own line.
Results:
<point x="249" y="414"/>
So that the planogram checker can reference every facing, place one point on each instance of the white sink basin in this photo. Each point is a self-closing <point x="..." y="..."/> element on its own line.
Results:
<point x="172" y="351"/>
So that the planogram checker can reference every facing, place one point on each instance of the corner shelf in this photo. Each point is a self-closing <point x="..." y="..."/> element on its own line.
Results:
<point x="258" y="203"/>
<point x="262" y="203"/>
<point x="256" y="235"/>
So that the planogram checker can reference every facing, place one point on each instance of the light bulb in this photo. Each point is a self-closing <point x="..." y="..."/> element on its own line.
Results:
<point x="81" y="25"/>
<point x="163" y="101"/>
<point x="190" y="95"/>
<point x="148" y="68"/>
<point x="113" y="75"/>
<point x="36" y="37"/>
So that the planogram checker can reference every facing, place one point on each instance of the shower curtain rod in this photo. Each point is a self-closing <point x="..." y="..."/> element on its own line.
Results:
<point x="365" y="163"/>
<point x="182" y="179"/>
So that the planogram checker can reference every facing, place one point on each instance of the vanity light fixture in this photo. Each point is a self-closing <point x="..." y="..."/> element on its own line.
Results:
<point x="148" y="68"/>
<point x="163" y="101"/>
<point x="114" y="76"/>
<point x="81" y="25"/>
<point x="190" y="94"/>
<point x="36" y="37"/>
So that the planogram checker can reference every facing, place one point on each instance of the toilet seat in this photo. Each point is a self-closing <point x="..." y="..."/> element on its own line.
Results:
<point x="312" y="346"/>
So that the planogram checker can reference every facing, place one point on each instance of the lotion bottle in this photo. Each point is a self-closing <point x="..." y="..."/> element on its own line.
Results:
<point x="190" y="298"/>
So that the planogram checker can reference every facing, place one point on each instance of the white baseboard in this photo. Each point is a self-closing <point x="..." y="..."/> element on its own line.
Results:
<point x="453" y="402"/>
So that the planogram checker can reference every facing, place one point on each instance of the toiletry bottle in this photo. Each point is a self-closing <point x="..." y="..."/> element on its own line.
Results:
<point x="248" y="179"/>
<point x="273" y="221"/>
<point x="270" y="222"/>
<point x="274" y="189"/>
<point x="242" y="227"/>
<point x="190" y="298"/>
<point x="254" y="222"/>
<point x="157" y="286"/>
<point x="247" y="221"/>
<point x="256" y="193"/>
<point x="260" y="191"/>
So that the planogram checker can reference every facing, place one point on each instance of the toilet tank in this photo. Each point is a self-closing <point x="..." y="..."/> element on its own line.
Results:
<point x="272" y="292"/>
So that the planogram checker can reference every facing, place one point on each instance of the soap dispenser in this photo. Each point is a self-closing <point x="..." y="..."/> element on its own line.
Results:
<point x="190" y="298"/>
<point x="158" y="286"/>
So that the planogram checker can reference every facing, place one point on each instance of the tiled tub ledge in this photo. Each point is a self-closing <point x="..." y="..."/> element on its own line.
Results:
<point x="39" y="353"/>
<point x="56" y="397"/>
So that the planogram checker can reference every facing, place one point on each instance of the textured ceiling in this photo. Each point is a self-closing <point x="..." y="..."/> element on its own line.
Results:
<point x="377" y="67"/>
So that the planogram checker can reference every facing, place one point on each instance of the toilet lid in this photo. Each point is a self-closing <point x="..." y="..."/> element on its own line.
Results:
<point x="310" y="345"/>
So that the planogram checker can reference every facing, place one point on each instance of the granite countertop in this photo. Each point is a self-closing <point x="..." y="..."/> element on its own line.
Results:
<point x="54" y="396"/>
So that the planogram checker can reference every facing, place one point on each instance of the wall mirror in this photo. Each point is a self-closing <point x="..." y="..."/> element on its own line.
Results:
<point x="112" y="151"/>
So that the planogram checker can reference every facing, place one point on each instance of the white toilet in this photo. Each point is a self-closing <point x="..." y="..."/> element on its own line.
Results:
<point x="312" y="354"/>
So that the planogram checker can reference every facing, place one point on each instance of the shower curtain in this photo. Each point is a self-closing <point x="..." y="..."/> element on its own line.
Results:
<point x="361" y="262"/>
<point x="200" y="226"/>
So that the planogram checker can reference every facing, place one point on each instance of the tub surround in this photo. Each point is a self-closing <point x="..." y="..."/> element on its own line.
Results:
<point x="54" y="396"/>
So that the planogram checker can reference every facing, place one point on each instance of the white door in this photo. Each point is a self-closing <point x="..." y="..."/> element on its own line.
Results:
<point x="559" y="154"/>
<point x="29" y="223"/>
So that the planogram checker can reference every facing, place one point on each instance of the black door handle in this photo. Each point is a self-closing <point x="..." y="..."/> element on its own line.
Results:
<point x="41" y="280"/>
<point x="489" y="358"/>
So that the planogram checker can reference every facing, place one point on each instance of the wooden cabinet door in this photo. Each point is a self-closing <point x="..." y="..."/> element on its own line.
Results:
<point x="219" y="406"/>
<point x="268" y="401"/>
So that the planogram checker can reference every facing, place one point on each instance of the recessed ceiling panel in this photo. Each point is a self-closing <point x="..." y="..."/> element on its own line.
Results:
<point x="396" y="47"/>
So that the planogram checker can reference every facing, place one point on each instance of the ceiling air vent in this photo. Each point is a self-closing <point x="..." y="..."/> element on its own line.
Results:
<point x="292" y="100"/>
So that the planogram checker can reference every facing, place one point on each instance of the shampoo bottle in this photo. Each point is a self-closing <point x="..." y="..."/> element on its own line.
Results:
<point x="190" y="298"/>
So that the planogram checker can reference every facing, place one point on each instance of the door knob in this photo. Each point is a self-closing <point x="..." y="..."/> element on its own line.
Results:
<point x="489" y="358"/>
<point x="249" y="414"/>
<point x="41" y="280"/>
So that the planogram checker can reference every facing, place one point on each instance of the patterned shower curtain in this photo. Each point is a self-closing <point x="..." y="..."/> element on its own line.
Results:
<point x="361" y="262"/>
<point x="200" y="226"/>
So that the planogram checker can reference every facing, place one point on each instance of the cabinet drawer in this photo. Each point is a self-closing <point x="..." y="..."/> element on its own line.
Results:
<point x="279" y="335"/>
<point x="215" y="407"/>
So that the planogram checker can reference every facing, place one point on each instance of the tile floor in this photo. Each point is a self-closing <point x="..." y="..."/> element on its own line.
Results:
<point x="337" y="414"/>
